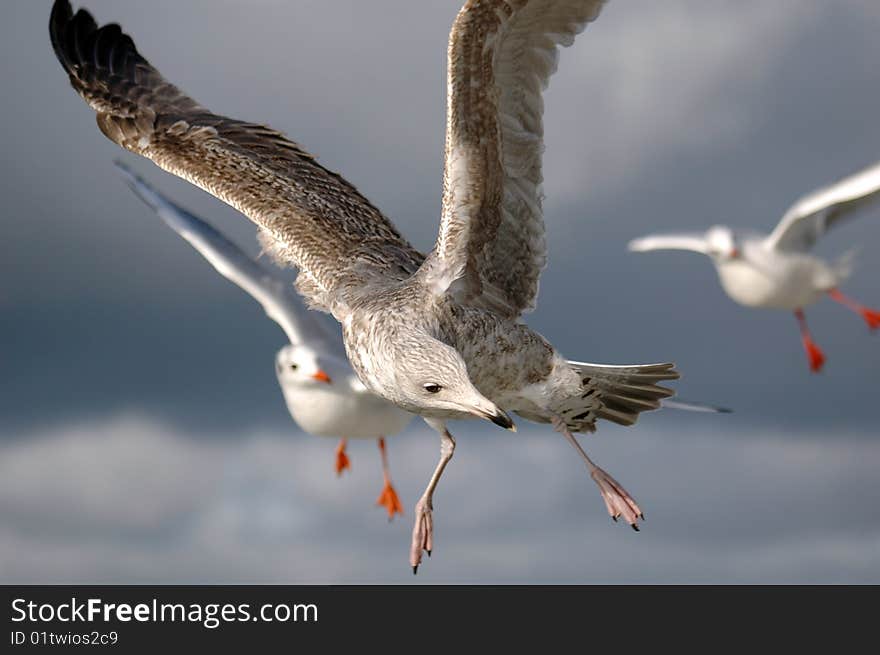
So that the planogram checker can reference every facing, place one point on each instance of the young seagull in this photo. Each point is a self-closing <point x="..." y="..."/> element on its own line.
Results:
<point x="322" y="393"/>
<point x="438" y="335"/>
<point x="776" y="270"/>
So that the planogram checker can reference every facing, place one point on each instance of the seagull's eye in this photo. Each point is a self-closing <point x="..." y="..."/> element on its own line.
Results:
<point x="293" y="367"/>
<point x="432" y="388"/>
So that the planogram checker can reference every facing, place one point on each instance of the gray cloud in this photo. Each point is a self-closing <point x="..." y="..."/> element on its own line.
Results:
<point x="675" y="116"/>
<point x="663" y="115"/>
<point x="131" y="500"/>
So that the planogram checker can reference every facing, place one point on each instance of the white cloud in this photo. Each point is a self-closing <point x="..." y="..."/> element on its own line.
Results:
<point x="130" y="500"/>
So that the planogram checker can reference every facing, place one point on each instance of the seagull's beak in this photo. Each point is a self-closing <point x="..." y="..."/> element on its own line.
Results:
<point x="502" y="419"/>
<point x="735" y="253"/>
<point x="321" y="376"/>
<point x="498" y="416"/>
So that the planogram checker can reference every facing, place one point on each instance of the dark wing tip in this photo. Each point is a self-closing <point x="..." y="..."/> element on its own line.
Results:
<point x="59" y="19"/>
<point x="79" y="43"/>
<point x="62" y="12"/>
<point x="70" y="34"/>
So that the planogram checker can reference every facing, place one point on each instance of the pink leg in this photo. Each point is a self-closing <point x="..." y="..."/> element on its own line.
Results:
<point x="388" y="498"/>
<point x="871" y="316"/>
<point x="814" y="354"/>
<point x="423" y="530"/>
<point x="617" y="500"/>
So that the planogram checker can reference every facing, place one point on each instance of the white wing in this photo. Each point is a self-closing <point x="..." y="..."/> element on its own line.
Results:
<point x="275" y="294"/>
<point x="500" y="59"/>
<point x="693" y="241"/>
<point x="811" y="216"/>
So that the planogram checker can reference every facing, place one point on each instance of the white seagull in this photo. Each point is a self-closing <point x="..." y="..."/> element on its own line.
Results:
<point x="322" y="393"/>
<point x="441" y="334"/>
<point x="777" y="271"/>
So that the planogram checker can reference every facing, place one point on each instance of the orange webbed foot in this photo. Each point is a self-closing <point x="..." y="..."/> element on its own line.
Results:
<point x="815" y="355"/>
<point x="390" y="500"/>
<point x="342" y="461"/>
<point x="872" y="318"/>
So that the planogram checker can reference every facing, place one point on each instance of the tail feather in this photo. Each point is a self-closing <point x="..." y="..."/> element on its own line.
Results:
<point x="648" y="391"/>
<point x="616" y="393"/>
<point x="629" y="403"/>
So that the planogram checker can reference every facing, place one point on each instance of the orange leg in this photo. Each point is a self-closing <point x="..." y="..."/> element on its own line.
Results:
<point x="815" y="355"/>
<point x="871" y="316"/>
<point x="388" y="498"/>
<point x="342" y="461"/>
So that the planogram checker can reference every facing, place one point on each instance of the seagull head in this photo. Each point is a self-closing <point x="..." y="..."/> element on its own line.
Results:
<point x="300" y="365"/>
<point x="432" y="381"/>
<point x="721" y="243"/>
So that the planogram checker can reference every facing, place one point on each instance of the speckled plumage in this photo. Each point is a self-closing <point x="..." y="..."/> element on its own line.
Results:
<point x="483" y="272"/>
<point x="438" y="335"/>
<point x="328" y="230"/>
<point x="502" y="54"/>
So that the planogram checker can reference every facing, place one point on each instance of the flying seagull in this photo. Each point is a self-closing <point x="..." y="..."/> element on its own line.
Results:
<point x="777" y="271"/>
<point x="438" y="335"/>
<point x="322" y="393"/>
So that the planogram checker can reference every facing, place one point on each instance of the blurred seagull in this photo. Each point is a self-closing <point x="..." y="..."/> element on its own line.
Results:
<point x="438" y="335"/>
<point x="322" y="393"/>
<point x="776" y="270"/>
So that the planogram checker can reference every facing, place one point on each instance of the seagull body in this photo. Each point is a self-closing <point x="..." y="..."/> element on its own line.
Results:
<point x="440" y="334"/>
<point x="322" y="393"/>
<point x="777" y="280"/>
<point x="778" y="271"/>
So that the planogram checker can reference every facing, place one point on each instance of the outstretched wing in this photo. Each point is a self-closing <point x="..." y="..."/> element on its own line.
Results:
<point x="693" y="241"/>
<point x="325" y="227"/>
<point x="814" y="214"/>
<point x="275" y="294"/>
<point x="491" y="249"/>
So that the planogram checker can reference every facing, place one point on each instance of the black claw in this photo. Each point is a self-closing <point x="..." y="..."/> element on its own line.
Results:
<point x="429" y="552"/>
<point x="642" y="516"/>
<point x="415" y="569"/>
<point x="614" y="518"/>
<point x="634" y="527"/>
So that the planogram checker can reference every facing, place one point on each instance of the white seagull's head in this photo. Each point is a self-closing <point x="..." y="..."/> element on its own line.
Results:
<point x="721" y="243"/>
<point x="301" y="366"/>
<point x="432" y="380"/>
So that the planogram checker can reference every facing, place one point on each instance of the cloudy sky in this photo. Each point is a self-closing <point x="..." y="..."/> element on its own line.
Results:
<point x="142" y="434"/>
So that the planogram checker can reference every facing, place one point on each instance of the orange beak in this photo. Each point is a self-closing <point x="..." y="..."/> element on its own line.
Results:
<point x="735" y="253"/>
<point x="321" y="376"/>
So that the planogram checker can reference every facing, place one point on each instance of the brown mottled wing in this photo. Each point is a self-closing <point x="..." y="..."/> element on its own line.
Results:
<point x="491" y="248"/>
<point x="319" y="221"/>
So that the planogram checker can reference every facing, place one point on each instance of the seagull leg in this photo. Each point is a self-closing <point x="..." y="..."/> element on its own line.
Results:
<point x="871" y="316"/>
<point x="423" y="530"/>
<point x="815" y="355"/>
<point x="342" y="461"/>
<point x="388" y="498"/>
<point x="618" y="502"/>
